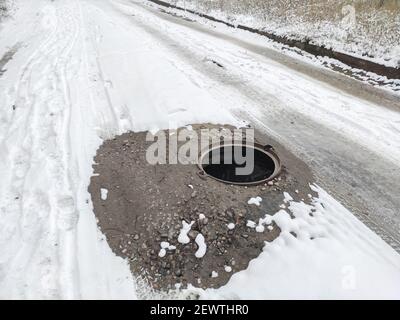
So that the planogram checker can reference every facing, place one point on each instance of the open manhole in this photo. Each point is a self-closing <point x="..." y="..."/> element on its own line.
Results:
<point x="241" y="164"/>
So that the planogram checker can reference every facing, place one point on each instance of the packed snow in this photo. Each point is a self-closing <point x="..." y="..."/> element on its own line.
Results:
<point x="88" y="70"/>
<point x="165" y="246"/>
<point x="231" y="226"/>
<point x="103" y="194"/>
<point x="183" y="237"/>
<point x="162" y="253"/>
<point x="228" y="269"/>
<point x="202" y="247"/>
<point x="256" y="201"/>
<point x="251" y="224"/>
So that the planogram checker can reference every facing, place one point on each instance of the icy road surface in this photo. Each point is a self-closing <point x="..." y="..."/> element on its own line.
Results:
<point x="83" y="71"/>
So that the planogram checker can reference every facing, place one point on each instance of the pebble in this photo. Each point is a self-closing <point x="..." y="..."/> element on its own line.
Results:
<point x="193" y="234"/>
<point x="178" y="273"/>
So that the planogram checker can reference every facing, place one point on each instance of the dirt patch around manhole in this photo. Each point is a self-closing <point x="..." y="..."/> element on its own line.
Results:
<point x="141" y="208"/>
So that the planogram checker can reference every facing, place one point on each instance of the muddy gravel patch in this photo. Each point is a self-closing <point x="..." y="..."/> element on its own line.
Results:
<point x="178" y="226"/>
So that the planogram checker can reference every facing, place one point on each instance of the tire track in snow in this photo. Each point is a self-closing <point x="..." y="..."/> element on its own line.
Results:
<point x="106" y="117"/>
<point x="42" y="94"/>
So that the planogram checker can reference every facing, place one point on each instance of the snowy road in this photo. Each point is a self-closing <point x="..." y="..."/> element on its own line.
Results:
<point x="86" y="70"/>
<point x="317" y="114"/>
<point x="353" y="153"/>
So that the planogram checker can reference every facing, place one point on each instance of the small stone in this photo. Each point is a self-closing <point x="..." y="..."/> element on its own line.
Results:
<point x="193" y="234"/>
<point x="136" y="237"/>
<point x="178" y="273"/>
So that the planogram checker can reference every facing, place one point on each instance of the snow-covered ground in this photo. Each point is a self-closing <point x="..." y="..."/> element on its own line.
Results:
<point x="359" y="28"/>
<point x="85" y="70"/>
<point x="323" y="253"/>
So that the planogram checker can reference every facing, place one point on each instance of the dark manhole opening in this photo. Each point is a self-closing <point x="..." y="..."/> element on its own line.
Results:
<point x="241" y="164"/>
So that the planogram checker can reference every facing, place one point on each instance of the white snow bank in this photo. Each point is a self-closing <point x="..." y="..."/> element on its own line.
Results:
<point x="332" y="256"/>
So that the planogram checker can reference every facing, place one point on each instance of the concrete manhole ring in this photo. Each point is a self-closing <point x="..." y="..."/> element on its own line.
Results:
<point x="220" y="163"/>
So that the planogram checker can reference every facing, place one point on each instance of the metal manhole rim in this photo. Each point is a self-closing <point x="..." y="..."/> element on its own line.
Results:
<point x="266" y="149"/>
